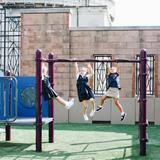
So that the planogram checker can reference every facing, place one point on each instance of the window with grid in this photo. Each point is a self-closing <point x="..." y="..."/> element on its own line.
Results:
<point x="150" y="75"/>
<point x="100" y="74"/>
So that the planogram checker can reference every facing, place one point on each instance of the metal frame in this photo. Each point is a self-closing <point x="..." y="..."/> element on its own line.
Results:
<point x="9" y="96"/>
<point x="51" y="61"/>
<point x="150" y="91"/>
<point x="8" y="126"/>
<point x="100" y="76"/>
<point x="9" y="42"/>
<point x="39" y="100"/>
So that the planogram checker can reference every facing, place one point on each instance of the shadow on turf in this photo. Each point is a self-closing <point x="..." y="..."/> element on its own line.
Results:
<point x="116" y="140"/>
<point x="22" y="150"/>
<point x="19" y="150"/>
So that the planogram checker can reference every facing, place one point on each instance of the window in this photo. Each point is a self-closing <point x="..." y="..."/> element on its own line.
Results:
<point x="100" y="74"/>
<point x="150" y="75"/>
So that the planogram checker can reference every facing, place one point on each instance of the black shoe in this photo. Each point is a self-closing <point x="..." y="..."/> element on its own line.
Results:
<point x="98" y="108"/>
<point x="123" y="116"/>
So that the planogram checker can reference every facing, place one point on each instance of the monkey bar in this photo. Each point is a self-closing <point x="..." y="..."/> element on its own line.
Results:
<point x="142" y="101"/>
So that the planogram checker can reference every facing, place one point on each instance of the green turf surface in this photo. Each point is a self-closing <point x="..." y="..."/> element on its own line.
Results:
<point x="82" y="142"/>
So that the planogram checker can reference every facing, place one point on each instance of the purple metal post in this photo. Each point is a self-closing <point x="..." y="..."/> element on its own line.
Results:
<point x="8" y="127"/>
<point x="51" y="102"/>
<point x="38" y="101"/>
<point x="142" y="103"/>
<point x="8" y="132"/>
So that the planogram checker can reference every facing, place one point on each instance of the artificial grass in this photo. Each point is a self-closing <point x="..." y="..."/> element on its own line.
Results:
<point x="82" y="142"/>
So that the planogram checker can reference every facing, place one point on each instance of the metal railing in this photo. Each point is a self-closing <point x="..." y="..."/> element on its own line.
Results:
<point x="64" y="2"/>
<point x="9" y="42"/>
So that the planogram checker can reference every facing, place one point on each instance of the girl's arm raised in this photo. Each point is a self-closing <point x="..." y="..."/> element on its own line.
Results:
<point x="90" y="69"/>
<point x="118" y="68"/>
<point x="107" y="69"/>
<point x="76" y="68"/>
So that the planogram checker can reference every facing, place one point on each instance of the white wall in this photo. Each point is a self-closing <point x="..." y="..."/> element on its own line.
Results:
<point x="90" y="17"/>
<point x="110" y="112"/>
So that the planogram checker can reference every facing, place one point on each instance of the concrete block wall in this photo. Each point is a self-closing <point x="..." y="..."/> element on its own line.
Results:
<point x="75" y="113"/>
<point x="105" y="113"/>
<point x="157" y="111"/>
<point x="109" y="113"/>
<point x="60" y="113"/>
<point x="128" y="106"/>
<point x="150" y="110"/>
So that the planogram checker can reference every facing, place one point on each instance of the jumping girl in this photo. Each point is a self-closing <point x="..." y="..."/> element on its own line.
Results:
<point x="113" y="87"/>
<point x="48" y="92"/>
<point x="85" y="93"/>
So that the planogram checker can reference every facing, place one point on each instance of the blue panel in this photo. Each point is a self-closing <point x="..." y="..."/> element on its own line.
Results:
<point x="27" y="98"/>
<point x="1" y="98"/>
<point x="8" y="97"/>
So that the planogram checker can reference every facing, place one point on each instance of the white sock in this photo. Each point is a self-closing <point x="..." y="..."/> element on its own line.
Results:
<point x="85" y="117"/>
<point x="100" y="106"/>
<point x="69" y="104"/>
<point x="66" y="106"/>
<point x="122" y="113"/>
<point x="92" y="113"/>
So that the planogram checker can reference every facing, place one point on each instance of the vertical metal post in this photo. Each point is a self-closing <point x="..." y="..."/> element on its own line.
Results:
<point x="8" y="127"/>
<point x="77" y="10"/>
<point x="4" y="45"/>
<point x="51" y="102"/>
<point x="8" y="132"/>
<point x="38" y="101"/>
<point x="142" y="103"/>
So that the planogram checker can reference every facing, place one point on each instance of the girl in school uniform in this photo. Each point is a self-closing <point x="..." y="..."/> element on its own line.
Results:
<point x="113" y="87"/>
<point x="85" y="93"/>
<point x="49" y="93"/>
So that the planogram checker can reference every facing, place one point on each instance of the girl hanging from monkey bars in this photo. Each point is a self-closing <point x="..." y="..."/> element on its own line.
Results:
<point x="85" y="93"/>
<point x="112" y="89"/>
<point x="48" y="92"/>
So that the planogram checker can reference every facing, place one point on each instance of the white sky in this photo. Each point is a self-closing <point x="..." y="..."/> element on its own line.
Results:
<point x="137" y="13"/>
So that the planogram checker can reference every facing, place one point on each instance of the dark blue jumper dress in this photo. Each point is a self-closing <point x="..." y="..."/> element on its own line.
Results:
<point x="83" y="89"/>
<point x="47" y="91"/>
<point x="113" y="80"/>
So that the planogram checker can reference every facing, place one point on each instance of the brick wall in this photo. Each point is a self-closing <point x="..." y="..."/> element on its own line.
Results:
<point x="117" y="43"/>
<point x="50" y="32"/>
<point x="120" y="43"/>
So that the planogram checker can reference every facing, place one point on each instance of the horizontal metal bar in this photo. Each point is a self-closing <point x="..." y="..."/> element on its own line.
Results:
<point x="91" y="60"/>
<point x="143" y="124"/>
<point x="142" y="100"/>
<point x="144" y="139"/>
<point x="42" y="60"/>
